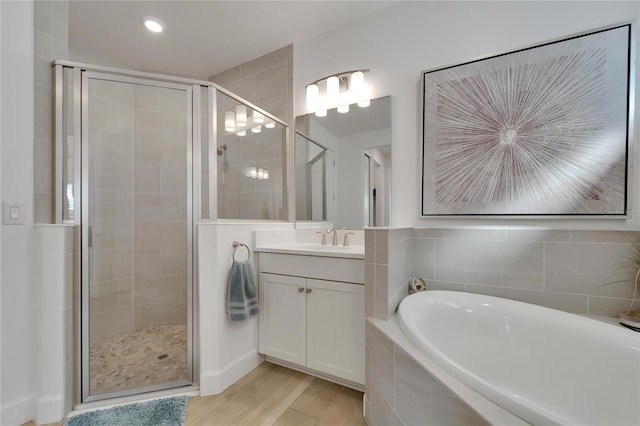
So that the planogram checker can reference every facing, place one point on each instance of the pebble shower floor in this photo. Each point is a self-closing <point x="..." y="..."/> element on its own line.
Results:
<point x="140" y="358"/>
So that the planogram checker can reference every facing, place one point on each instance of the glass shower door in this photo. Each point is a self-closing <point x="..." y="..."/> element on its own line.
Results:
<point x="136" y="222"/>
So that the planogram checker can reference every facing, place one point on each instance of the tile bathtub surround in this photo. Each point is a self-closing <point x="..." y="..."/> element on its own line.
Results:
<point x="583" y="272"/>
<point x="401" y="391"/>
<point x="387" y="269"/>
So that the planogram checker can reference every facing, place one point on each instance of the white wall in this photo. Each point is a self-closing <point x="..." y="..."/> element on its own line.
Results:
<point x="401" y="41"/>
<point x="228" y="351"/>
<point x="19" y="301"/>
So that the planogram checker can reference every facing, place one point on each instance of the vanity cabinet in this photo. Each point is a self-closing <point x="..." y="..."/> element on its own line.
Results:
<point x="316" y="324"/>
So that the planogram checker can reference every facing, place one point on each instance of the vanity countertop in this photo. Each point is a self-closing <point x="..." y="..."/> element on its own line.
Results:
<point x="310" y="249"/>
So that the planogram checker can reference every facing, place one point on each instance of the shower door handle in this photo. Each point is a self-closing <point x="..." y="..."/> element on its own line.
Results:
<point x="90" y="236"/>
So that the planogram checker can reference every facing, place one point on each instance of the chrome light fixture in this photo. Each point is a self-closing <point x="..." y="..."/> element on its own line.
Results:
<point x="341" y="90"/>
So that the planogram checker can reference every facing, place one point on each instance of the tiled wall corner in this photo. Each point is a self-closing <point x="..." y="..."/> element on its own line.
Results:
<point x="583" y="272"/>
<point x="387" y="270"/>
<point x="51" y="42"/>
<point x="399" y="252"/>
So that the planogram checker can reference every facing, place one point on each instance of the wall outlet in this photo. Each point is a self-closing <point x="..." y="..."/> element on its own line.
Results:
<point x="277" y="237"/>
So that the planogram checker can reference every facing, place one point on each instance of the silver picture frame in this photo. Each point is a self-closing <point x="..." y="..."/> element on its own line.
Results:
<point x="541" y="131"/>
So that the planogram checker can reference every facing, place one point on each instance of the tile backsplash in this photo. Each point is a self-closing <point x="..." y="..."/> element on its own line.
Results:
<point x="583" y="272"/>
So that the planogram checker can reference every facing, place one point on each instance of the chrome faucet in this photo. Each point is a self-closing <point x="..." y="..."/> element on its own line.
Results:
<point x="334" y="241"/>
<point x="324" y="237"/>
<point x="345" y="243"/>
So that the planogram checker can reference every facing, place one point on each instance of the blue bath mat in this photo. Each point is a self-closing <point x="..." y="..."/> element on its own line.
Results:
<point x="158" y="412"/>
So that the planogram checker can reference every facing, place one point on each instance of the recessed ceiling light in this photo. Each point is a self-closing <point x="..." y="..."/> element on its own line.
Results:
<point x="154" y="25"/>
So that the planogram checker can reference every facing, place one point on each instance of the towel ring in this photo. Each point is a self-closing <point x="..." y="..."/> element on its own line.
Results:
<point x="235" y="248"/>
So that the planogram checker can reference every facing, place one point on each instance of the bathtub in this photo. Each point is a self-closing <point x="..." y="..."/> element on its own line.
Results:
<point x="543" y="365"/>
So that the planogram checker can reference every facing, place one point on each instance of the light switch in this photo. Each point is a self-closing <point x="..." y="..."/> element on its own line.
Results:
<point x="12" y="213"/>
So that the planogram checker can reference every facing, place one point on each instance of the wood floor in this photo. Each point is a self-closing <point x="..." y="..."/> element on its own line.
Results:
<point x="274" y="395"/>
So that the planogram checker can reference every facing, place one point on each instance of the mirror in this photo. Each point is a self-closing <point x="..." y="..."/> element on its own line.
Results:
<point x="343" y="166"/>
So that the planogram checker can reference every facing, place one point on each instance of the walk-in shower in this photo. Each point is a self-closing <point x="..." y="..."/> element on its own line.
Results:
<point x="136" y="170"/>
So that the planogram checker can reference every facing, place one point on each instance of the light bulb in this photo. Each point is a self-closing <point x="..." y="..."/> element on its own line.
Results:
<point x="365" y="103"/>
<point x="322" y="113"/>
<point x="260" y="173"/>
<point x="312" y="96"/>
<point x="270" y="125"/>
<point x="241" y="116"/>
<point x="256" y="129"/>
<point x="258" y="117"/>
<point x="343" y="108"/>
<point x="266" y="174"/>
<point x="254" y="173"/>
<point x="230" y="121"/>
<point x="357" y="82"/>
<point x="154" y="25"/>
<point x="333" y="88"/>
<point x="242" y="133"/>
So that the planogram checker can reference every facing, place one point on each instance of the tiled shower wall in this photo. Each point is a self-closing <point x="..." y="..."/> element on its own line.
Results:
<point x="138" y="177"/>
<point x="111" y="147"/>
<point x="51" y="42"/>
<point x="583" y="272"/>
<point x="160" y="206"/>
<point x="266" y="82"/>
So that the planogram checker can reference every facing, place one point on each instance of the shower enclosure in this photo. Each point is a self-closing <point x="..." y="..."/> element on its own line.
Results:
<point x="136" y="169"/>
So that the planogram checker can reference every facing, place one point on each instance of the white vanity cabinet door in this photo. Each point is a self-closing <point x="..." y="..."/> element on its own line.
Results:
<point x="283" y="317"/>
<point x="335" y="329"/>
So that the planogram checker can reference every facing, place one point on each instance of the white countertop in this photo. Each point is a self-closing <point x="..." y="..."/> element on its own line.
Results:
<point x="311" y="249"/>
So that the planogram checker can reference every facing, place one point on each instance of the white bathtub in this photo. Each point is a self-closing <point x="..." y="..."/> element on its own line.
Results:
<point x="543" y="365"/>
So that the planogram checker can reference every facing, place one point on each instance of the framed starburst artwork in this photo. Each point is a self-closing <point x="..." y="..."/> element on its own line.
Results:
<point x="541" y="131"/>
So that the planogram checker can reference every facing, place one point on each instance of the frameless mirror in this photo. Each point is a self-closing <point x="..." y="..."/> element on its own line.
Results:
<point x="343" y="166"/>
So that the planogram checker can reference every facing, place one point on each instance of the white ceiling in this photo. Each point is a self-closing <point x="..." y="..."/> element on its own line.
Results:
<point x="203" y="38"/>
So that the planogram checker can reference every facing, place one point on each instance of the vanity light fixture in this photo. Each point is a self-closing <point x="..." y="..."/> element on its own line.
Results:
<point x="258" y="117"/>
<point x="241" y="116"/>
<point x="230" y="121"/>
<point x="242" y="133"/>
<point x="154" y="25"/>
<point x="270" y="125"/>
<point x="341" y="90"/>
<point x="256" y="129"/>
<point x="259" y="173"/>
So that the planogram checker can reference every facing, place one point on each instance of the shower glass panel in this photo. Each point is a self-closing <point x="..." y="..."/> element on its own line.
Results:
<point x="136" y="186"/>
<point x="251" y="157"/>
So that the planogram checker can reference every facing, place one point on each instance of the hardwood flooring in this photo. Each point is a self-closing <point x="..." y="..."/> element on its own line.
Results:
<point x="278" y="396"/>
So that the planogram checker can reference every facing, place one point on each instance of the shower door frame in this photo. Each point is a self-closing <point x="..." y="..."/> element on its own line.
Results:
<point x="193" y="118"/>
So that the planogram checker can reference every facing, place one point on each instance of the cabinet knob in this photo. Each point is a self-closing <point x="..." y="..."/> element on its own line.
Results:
<point x="300" y="289"/>
<point x="308" y="290"/>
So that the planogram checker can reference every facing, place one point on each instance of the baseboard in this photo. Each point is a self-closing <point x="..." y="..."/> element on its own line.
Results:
<point x="50" y="409"/>
<point x="343" y="382"/>
<point x="215" y="382"/>
<point x="18" y="412"/>
<point x="366" y="407"/>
